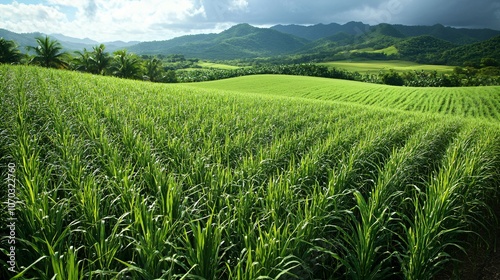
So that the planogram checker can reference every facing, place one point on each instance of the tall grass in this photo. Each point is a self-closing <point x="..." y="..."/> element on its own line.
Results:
<point x="124" y="180"/>
<point x="451" y="205"/>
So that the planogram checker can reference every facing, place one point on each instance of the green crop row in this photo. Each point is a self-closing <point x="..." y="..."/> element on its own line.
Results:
<point x="476" y="102"/>
<point x="119" y="179"/>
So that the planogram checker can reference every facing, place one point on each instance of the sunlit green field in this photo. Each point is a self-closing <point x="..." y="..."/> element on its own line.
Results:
<point x="240" y="179"/>
<point x="376" y="66"/>
<point x="477" y="102"/>
<point x="388" y="51"/>
<point x="205" y="64"/>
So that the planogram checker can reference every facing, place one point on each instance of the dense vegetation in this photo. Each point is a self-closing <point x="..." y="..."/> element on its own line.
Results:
<point x="471" y="55"/>
<point x="424" y="49"/>
<point x="461" y="77"/>
<point x="124" y="64"/>
<point x="117" y="179"/>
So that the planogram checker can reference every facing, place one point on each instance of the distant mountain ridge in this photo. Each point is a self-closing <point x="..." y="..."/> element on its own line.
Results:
<point x="453" y="35"/>
<point x="298" y="43"/>
<point x="239" y="41"/>
<point x="69" y="43"/>
<point x="320" y="31"/>
<point x="245" y="41"/>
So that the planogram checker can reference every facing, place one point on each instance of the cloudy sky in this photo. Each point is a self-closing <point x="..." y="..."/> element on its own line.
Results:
<point x="146" y="20"/>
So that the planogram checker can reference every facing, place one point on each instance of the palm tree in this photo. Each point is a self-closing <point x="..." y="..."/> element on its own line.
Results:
<point x="154" y="70"/>
<point x="126" y="65"/>
<point x="9" y="53"/>
<point x="100" y="59"/>
<point x="49" y="53"/>
<point x="83" y="61"/>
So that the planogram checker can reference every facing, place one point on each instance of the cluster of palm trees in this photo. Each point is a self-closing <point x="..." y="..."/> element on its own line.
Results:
<point x="49" y="53"/>
<point x="9" y="53"/>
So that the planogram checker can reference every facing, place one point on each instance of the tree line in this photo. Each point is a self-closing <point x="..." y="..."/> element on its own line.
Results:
<point x="123" y="64"/>
<point x="460" y="77"/>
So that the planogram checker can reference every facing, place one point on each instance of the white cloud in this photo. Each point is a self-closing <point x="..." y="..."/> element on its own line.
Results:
<point x="238" y="5"/>
<point x="106" y="20"/>
<point x="20" y="17"/>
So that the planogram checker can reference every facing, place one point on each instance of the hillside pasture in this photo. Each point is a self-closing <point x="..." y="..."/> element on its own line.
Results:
<point x="469" y="102"/>
<point x="377" y="66"/>
<point x="213" y="65"/>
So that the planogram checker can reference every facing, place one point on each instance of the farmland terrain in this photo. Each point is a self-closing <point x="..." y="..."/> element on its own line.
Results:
<point x="478" y="102"/>
<point x="259" y="177"/>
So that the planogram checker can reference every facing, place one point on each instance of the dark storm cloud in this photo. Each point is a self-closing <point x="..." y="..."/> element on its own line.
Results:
<point x="460" y="13"/>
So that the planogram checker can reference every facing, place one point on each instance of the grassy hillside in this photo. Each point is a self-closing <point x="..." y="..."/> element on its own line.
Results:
<point x="374" y="67"/>
<point x="119" y="179"/>
<point x="211" y="65"/>
<point x="477" y="102"/>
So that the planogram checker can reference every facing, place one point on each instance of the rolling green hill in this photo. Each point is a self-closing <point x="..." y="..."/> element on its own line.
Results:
<point x="250" y="178"/>
<point x="449" y="101"/>
<point x="377" y="66"/>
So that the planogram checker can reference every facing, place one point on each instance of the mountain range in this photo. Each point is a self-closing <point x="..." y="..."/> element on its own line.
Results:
<point x="69" y="43"/>
<point x="298" y="43"/>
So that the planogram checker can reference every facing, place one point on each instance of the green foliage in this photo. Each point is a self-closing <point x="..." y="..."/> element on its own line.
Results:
<point x="176" y="182"/>
<point x="170" y="77"/>
<point x="82" y="61"/>
<point x="48" y="53"/>
<point x="9" y="53"/>
<point x="125" y="65"/>
<point x="153" y="69"/>
<point x="424" y="49"/>
<point x="490" y="71"/>
<point x="489" y="62"/>
<point x="100" y="60"/>
<point x="473" y="53"/>
<point x="413" y="78"/>
<point x="296" y="69"/>
<point x="393" y="78"/>
<point x="95" y="62"/>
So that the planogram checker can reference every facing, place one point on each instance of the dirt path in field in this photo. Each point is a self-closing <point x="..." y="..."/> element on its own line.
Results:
<point x="480" y="262"/>
<point x="491" y="270"/>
